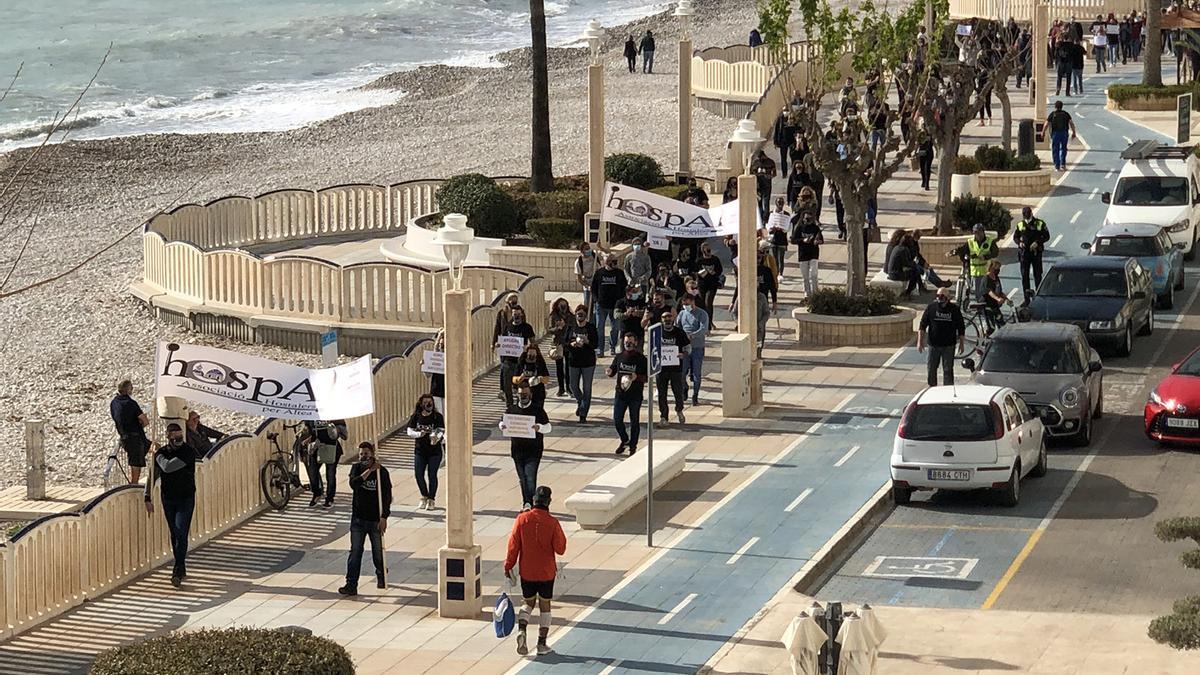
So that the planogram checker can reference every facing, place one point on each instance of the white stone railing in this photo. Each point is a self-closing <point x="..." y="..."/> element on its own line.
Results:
<point x="1022" y="10"/>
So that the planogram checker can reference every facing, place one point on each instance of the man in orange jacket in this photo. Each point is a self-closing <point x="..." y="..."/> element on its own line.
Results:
<point x="536" y="539"/>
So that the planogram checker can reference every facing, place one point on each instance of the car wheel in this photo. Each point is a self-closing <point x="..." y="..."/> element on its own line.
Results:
<point x="901" y="495"/>
<point x="1179" y="284"/>
<point x="1191" y="255"/>
<point x="1083" y="437"/>
<point x="1126" y="346"/>
<point x="1099" y="411"/>
<point x="1039" y="469"/>
<point x="1010" y="494"/>
<point x="1167" y="300"/>
<point x="1148" y="327"/>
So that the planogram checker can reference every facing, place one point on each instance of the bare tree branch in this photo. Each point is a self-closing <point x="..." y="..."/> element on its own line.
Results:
<point x="14" y="81"/>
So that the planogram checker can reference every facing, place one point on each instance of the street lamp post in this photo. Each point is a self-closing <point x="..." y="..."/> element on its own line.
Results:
<point x="684" y="12"/>
<point x="745" y="367"/>
<point x="459" y="588"/>
<point x="592" y="221"/>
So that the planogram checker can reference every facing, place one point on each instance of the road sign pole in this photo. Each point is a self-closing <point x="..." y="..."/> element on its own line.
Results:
<point x="654" y="366"/>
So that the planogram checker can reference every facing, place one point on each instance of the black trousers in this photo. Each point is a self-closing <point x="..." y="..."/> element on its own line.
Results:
<point x="926" y="165"/>
<point x="675" y="377"/>
<point x="632" y="63"/>
<point x="1031" y="260"/>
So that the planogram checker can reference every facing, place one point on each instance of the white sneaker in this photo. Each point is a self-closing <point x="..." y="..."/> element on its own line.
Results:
<point x="679" y="416"/>
<point x="429" y="504"/>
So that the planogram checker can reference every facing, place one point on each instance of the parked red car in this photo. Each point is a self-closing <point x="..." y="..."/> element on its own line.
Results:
<point x="1173" y="411"/>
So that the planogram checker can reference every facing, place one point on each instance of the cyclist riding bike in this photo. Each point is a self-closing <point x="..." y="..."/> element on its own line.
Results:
<point x="993" y="297"/>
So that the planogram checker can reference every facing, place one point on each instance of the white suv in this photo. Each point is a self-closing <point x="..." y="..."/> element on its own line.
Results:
<point x="967" y="437"/>
<point x="1159" y="185"/>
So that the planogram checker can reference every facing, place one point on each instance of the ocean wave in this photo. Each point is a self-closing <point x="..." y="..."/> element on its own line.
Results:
<point x="212" y="95"/>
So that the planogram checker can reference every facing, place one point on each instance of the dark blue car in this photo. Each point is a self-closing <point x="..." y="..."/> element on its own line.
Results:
<point x="1110" y="298"/>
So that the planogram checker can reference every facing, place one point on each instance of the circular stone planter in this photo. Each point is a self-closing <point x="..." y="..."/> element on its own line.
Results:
<point x="842" y="331"/>
<point x="1012" y="183"/>
<point x="1144" y="103"/>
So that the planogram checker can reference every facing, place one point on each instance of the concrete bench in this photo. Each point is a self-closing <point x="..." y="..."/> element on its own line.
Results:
<point x="614" y="492"/>
<point x="881" y="280"/>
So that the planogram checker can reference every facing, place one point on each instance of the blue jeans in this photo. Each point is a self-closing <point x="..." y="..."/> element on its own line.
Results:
<point x="692" y="367"/>
<point x="1058" y="147"/>
<point x="1077" y="78"/>
<point x="648" y="61"/>
<point x="877" y="138"/>
<point x="605" y="318"/>
<point x="359" y="531"/>
<point x="427" y="464"/>
<point x="178" y="513"/>
<point x="580" y="380"/>
<point x="527" y="469"/>
<point x="633" y="406"/>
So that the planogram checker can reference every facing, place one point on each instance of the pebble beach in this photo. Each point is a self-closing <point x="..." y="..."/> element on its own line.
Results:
<point x="65" y="345"/>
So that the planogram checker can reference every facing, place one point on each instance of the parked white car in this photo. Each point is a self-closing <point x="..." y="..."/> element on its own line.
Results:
<point x="1158" y="185"/>
<point x="967" y="437"/>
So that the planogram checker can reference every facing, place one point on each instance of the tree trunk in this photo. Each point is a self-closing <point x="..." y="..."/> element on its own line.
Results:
<point x="944" y="221"/>
<point x="541" y="175"/>
<point x="856" y="212"/>
<point x="1001" y="92"/>
<point x="1152" y="54"/>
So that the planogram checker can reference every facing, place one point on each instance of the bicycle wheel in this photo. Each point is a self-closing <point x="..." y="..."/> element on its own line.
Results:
<point x="972" y="338"/>
<point x="276" y="488"/>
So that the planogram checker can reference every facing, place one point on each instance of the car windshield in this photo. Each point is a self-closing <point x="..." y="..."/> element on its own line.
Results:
<point x="1022" y="356"/>
<point x="1092" y="283"/>
<point x="950" y="422"/>
<point x="1151" y="191"/>
<point x="1190" y="366"/>
<point x="1126" y="247"/>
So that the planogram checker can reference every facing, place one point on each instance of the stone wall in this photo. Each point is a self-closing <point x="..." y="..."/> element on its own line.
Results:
<point x="841" y="331"/>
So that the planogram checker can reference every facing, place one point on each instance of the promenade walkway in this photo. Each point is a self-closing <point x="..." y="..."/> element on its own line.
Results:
<point x="757" y="499"/>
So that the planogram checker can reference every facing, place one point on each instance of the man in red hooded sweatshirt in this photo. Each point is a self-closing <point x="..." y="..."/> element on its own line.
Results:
<point x="536" y="539"/>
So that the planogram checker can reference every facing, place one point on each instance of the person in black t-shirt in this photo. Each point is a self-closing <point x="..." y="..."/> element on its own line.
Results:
<point x="369" y="512"/>
<point x="630" y="368"/>
<point x="778" y="234"/>
<point x="517" y="327"/>
<point x="942" y="325"/>
<point x="527" y="452"/>
<point x="708" y="275"/>
<point x="427" y="428"/>
<point x="630" y="310"/>
<point x="318" y="434"/>
<point x="658" y="307"/>
<point x="131" y="425"/>
<point x="672" y="335"/>
<point x="437" y="381"/>
<point x="807" y="235"/>
<point x="1060" y="123"/>
<point x="579" y="342"/>
<point x="175" y="470"/>
<point x="608" y="288"/>
<point x="532" y="371"/>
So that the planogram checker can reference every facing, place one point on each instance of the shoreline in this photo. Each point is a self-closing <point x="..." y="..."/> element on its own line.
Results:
<point x="69" y="342"/>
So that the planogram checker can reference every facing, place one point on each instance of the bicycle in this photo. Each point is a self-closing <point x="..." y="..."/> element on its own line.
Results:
<point x="280" y="475"/>
<point x="980" y="323"/>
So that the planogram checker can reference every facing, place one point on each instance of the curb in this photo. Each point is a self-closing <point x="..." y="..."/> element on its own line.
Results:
<point x="822" y="562"/>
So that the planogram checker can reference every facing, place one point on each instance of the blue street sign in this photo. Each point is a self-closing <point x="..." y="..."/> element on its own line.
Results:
<point x="655" y="352"/>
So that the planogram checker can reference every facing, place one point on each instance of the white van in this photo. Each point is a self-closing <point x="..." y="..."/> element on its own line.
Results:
<point x="1159" y="185"/>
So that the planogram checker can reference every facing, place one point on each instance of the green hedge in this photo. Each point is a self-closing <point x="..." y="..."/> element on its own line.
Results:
<point x="633" y="169"/>
<point x="554" y="232"/>
<point x="996" y="158"/>
<point x="835" y="302"/>
<point x="969" y="209"/>
<point x="230" y="651"/>
<point x="966" y="165"/>
<point x="672" y="191"/>
<point x="563" y="204"/>
<point x="1126" y="92"/>
<point x="488" y="208"/>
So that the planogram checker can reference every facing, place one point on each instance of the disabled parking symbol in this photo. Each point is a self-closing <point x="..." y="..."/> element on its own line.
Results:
<point x="903" y="567"/>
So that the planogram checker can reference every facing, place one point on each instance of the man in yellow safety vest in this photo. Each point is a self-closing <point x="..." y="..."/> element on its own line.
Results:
<point x="980" y="249"/>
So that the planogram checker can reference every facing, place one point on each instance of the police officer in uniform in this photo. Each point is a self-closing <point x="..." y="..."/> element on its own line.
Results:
<point x="1031" y="237"/>
<point x="980" y="249"/>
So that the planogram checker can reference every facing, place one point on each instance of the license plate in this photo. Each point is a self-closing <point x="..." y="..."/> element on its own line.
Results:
<point x="1183" y="423"/>
<point x="949" y="474"/>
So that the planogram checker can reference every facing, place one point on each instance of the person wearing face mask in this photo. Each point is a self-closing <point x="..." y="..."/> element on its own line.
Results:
<point x="369" y="513"/>
<point x="638" y="266"/>
<point x="199" y="436"/>
<point x="608" y="288"/>
<point x="325" y="443"/>
<point x="941" y="327"/>
<point x="509" y="365"/>
<point x="654" y="313"/>
<point x="694" y="322"/>
<point x="533" y="373"/>
<point x="708" y="277"/>
<point x="578" y="343"/>
<point x="427" y="428"/>
<point x="174" y="468"/>
<point x="527" y="452"/>
<point x="672" y="335"/>
<point x="668" y="283"/>
<point x="437" y="381"/>
<point x="585" y="270"/>
<point x="558" y="320"/>
<point x="685" y="261"/>
<point x="630" y="368"/>
<point x="630" y="311"/>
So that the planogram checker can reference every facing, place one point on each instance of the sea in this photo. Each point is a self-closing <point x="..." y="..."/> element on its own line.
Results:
<point x="193" y="66"/>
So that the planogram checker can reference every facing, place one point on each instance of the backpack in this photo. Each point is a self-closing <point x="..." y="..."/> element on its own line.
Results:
<point x="503" y="616"/>
<point x="326" y="452"/>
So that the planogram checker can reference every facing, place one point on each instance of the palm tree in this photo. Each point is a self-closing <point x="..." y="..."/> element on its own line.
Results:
<point x="541" y="176"/>
<point x="1152" y="61"/>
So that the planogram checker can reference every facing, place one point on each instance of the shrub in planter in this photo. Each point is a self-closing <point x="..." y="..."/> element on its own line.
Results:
<point x="969" y="209"/>
<point x="562" y="204"/>
<point x="1127" y="92"/>
<point x="231" y="651"/>
<point x="1030" y="162"/>
<point x="488" y="208"/>
<point x="672" y="191"/>
<point x="835" y="302"/>
<point x="993" y="158"/>
<point x="559" y="233"/>
<point x="633" y="169"/>
<point x="965" y="165"/>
